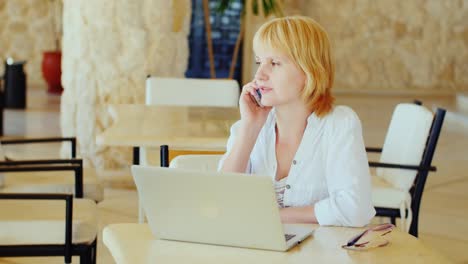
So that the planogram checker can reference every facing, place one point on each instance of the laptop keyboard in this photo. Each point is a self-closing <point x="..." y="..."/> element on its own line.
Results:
<point x="288" y="237"/>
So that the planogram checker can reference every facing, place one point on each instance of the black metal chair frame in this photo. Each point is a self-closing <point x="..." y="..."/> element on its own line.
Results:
<point x="423" y="169"/>
<point x="87" y="252"/>
<point x="72" y="164"/>
<point x="164" y="155"/>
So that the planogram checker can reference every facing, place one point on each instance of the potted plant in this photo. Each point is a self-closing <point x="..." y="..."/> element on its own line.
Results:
<point x="263" y="8"/>
<point x="51" y="60"/>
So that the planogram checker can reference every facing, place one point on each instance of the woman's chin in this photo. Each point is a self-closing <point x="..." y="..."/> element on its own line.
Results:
<point x="267" y="101"/>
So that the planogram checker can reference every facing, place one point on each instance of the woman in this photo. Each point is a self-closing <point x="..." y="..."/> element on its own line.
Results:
<point x="313" y="150"/>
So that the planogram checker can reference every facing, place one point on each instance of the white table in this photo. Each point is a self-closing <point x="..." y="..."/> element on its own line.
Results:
<point x="134" y="243"/>
<point x="180" y="127"/>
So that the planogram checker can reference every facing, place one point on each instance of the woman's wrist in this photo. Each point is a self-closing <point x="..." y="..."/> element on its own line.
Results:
<point x="304" y="214"/>
<point x="248" y="134"/>
<point x="238" y="157"/>
<point x="250" y="127"/>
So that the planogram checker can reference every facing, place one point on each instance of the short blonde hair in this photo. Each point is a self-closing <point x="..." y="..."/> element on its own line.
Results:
<point x="305" y="42"/>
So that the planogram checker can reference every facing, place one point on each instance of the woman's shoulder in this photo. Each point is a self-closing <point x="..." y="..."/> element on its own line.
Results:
<point x="340" y="116"/>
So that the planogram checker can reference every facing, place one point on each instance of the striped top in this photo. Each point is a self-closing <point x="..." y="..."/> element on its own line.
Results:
<point x="280" y="186"/>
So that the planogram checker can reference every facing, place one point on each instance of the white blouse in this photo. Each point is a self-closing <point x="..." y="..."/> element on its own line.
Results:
<point x="329" y="170"/>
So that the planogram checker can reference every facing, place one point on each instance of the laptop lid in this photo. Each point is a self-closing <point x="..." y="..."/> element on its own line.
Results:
<point x="209" y="207"/>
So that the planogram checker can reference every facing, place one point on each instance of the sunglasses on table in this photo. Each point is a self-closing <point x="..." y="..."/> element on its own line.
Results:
<point x="370" y="238"/>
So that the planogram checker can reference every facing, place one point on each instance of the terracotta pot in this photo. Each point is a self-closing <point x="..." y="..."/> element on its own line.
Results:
<point x="52" y="71"/>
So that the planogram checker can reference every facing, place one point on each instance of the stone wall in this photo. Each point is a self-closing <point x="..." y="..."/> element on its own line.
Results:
<point x="26" y="30"/>
<point x="388" y="45"/>
<point x="109" y="47"/>
<point x="385" y="45"/>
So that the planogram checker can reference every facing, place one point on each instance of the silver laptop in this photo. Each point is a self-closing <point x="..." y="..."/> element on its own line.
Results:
<point x="229" y="209"/>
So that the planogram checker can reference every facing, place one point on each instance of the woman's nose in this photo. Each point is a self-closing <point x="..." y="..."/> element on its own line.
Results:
<point x="261" y="75"/>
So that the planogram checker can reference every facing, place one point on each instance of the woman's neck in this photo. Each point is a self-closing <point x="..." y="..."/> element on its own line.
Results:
<point x="291" y="121"/>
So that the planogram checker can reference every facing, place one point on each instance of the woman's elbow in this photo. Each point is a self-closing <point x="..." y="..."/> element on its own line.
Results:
<point x="360" y="216"/>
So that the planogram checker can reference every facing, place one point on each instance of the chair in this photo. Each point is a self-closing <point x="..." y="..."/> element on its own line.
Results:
<point x="191" y="92"/>
<point x="187" y="92"/>
<point x="34" y="220"/>
<point x="405" y="162"/>
<point x="43" y="225"/>
<point x="196" y="162"/>
<point x="50" y="182"/>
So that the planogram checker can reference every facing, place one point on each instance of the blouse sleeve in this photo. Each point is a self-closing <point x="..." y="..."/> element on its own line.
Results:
<point x="348" y="179"/>
<point x="229" y="145"/>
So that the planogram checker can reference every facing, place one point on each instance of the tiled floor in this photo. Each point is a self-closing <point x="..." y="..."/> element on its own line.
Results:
<point x="443" y="224"/>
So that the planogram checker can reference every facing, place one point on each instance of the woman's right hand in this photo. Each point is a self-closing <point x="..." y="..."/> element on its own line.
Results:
<point x="246" y="131"/>
<point x="251" y="112"/>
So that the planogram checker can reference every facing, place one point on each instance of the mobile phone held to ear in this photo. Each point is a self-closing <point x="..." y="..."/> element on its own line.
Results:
<point x="258" y="97"/>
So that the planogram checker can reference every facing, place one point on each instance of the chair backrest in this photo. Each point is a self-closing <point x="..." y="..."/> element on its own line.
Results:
<point x="191" y="92"/>
<point x="405" y="143"/>
<point x="417" y="189"/>
<point x="188" y="92"/>
<point x="196" y="162"/>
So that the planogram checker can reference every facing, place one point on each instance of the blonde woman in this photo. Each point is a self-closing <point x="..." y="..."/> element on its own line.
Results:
<point x="313" y="150"/>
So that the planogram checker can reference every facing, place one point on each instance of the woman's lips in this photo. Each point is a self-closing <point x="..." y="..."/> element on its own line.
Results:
<point x="265" y="89"/>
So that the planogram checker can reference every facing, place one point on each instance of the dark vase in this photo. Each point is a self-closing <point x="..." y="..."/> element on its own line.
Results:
<point x="52" y="71"/>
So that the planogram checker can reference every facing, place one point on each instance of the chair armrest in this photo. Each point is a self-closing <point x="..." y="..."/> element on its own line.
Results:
<point x="43" y="162"/>
<point x="372" y="149"/>
<point x="75" y="165"/>
<point x="384" y="211"/>
<point x="401" y="166"/>
<point x="50" y="196"/>
<point x="43" y="140"/>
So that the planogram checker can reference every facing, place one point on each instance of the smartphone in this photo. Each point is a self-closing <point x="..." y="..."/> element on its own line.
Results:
<point x="258" y="97"/>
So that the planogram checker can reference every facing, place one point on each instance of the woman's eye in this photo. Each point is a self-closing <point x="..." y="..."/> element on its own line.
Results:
<point x="275" y="63"/>
<point x="257" y="62"/>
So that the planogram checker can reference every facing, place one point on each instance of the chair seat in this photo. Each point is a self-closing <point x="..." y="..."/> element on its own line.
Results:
<point x="24" y="222"/>
<point x="385" y="195"/>
<point x="196" y="162"/>
<point x="53" y="182"/>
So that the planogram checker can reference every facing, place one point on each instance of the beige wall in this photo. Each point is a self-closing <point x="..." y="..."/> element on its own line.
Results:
<point x="25" y="32"/>
<point x="391" y="45"/>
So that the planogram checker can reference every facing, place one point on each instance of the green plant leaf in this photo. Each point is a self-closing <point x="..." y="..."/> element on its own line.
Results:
<point x="223" y="5"/>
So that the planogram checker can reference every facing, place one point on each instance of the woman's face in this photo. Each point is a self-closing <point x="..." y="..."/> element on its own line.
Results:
<point x="280" y="81"/>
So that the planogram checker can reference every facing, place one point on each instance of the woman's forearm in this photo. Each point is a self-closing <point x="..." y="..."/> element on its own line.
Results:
<point x="238" y="157"/>
<point x="304" y="214"/>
